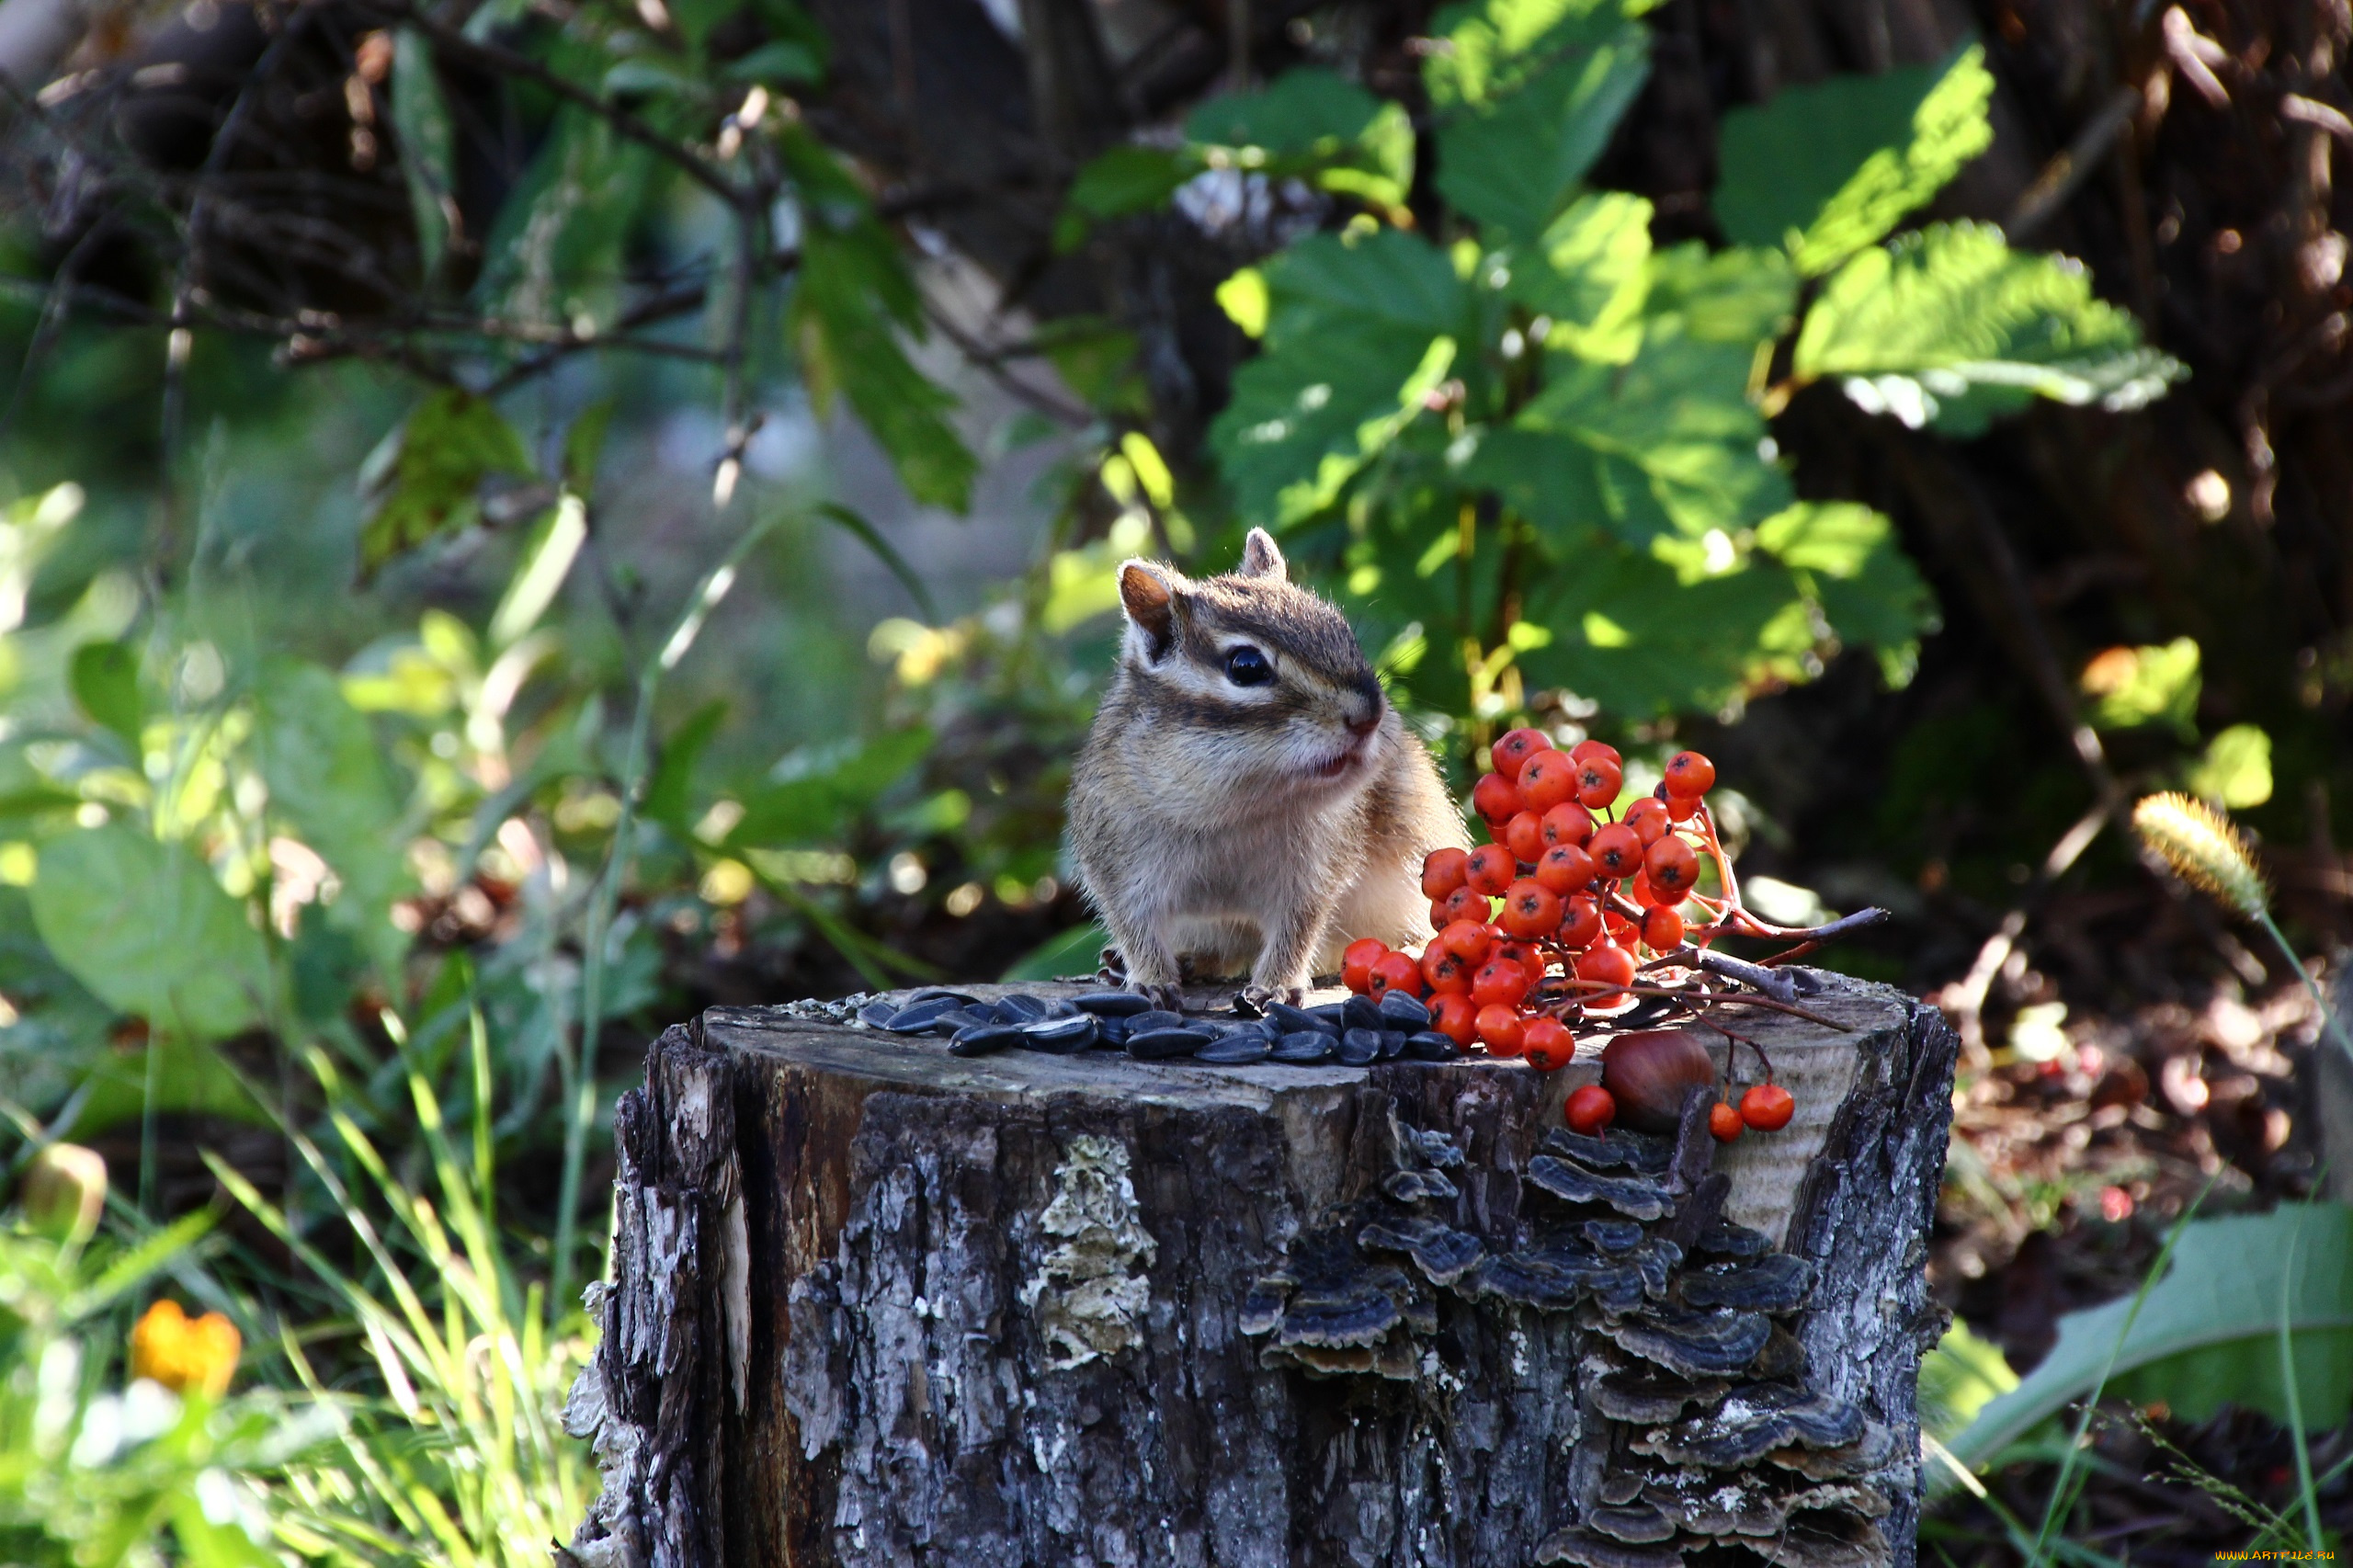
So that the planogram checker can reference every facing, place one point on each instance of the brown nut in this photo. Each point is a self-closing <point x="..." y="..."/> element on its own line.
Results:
<point x="1648" y="1071"/>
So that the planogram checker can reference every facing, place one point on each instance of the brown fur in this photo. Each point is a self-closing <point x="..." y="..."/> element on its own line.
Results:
<point x="1202" y="828"/>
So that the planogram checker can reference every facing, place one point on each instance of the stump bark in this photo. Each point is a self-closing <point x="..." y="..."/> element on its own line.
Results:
<point x="873" y="1303"/>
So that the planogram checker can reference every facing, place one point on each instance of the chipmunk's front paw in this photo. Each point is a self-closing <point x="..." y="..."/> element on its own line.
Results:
<point x="1255" y="998"/>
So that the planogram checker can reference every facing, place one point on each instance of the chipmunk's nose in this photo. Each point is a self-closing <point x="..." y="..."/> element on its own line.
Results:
<point x="1364" y="713"/>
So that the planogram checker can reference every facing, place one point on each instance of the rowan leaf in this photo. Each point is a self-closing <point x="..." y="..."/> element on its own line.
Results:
<point x="1950" y="326"/>
<point x="1829" y="168"/>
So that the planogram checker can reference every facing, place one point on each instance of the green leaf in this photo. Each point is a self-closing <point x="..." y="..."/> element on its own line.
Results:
<point x="1958" y="1379"/>
<point x="1672" y="438"/>
<point x="142" y="923"/>
<point x="583" y="444"/>
<point x="1737" y="295"/>
<point x="2208" y="1332"/>
<point x="812" y="793"/>
<point x="2235" y="772"/>
<point x="1311" y="122"/>
<point x="2132" y="687"/>
<point x="852" y="300"/>
<point x="1829" y="168"/>
<point x="854" y="524"/>
<point x="1846" y="556"/>
<point x="1356" y="338"/>
<point x="1950" y="326"/>
<point x="1588" y="274"/>
<point x="777" y="64"/>
<point x="325" y="773"/>
<point x="1303" y="110"/>
<point x="1119" y="183"/>
<point x="1628" y="632"/>
<point x="1077" y="951"/>
<point x="1529" y="91"/>
<point x="425" y="480"/>
<point x="669" y="791"/>
<point x="105" y="678"/>
<point x="421" y="126"/>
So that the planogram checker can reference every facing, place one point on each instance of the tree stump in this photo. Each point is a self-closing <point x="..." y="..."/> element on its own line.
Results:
<point x="875" y="1303"/>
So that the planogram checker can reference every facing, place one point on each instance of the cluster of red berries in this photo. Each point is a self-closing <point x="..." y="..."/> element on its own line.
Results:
<point x="1580" y="890"/>
<point x="1546" y="922"/>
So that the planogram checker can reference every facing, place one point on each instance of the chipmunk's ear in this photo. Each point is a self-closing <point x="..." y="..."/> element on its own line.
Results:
<point x="1261" y="557"/>
<point x="1148" y="593"/>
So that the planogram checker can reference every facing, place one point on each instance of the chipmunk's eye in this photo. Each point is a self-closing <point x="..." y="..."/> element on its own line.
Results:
<point x="1244" y="666"/>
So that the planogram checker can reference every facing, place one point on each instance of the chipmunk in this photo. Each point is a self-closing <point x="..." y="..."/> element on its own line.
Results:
<point x="1247" y="794"/>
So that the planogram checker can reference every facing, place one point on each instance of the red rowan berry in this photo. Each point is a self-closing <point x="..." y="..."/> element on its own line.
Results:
<point x="1584" y="749"/>
<point x="1357" y="962"/>
<point x="1531" y="909"/>
<point x="1598" y="779"/>
<point x="1565" y="868"/>
<point x="1672" y="866"/>
<point x="1456" y="1017"/>
<point x="1568" y="824"/>
<point x="1580" y="921"/>
<point x="1496" y="798"/>
<point x="1524" y="836"/>
<point x="1501" y="1030"/>
<point x="1608" y="964"/>
<point x="1499" y="982"/>
<point x="1617" y="850"/>
<point x="1766" y="1108"/>
<point x="1689" y="774"/>
<point x="1649" y="820"/>
<point x="1468" y="941"/>
<point x="1398" y="972"/>
<point x="1462" y="903"/>
<point x="1492" y="870"/>
<point x="1682" y="808"/>
<point x="1662" y="930"/>
<point x="1528" y="956"/>
<point x="1546" y="780"/>
<point x="1723" y="1121"/>
<point x="1444" y="870"/>
<point x="1590" y="1109"/>
<point x="1444" y="971"/>
<point x="1516" y="747"/>
<point x="1548" y="1044"/>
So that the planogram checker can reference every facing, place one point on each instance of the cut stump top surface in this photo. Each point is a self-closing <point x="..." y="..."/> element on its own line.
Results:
<point x="1816" y="1063"/>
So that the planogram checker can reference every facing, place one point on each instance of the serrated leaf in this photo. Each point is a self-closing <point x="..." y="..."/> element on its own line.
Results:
<point x="1740" y="295"/>
<point x="1588" y="274"/>
<point x="1673" y="437"/>
<point x="1511" y="155"/>
<point x="1629" y="633"/>
<point x="2208" y="1332"/>
<point x="1311" y="122"/>
<point x="1846" y="557"/>
<point x="1356" y="336"/>
<point x="1950" y="326"/>
<point x="105" y="681"/>
<point x="426" y="482"/>
<point x="144" y="926"/>
<point x="851" y="300"/>
<point x="1829" y="168"/>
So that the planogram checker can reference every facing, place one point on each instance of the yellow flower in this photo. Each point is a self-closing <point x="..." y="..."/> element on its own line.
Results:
<point x="2203" y="850"/>
<point x="184" y="1353"/>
